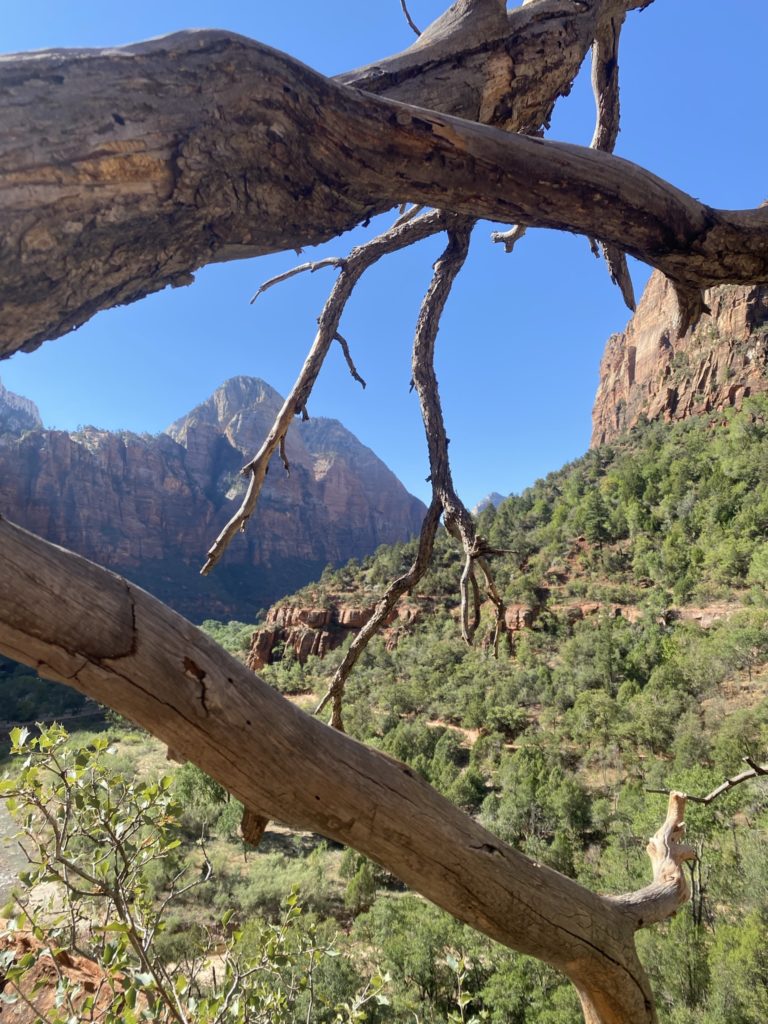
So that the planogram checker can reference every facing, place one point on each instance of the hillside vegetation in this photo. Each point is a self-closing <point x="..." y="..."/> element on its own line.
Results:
<point x="636" y="579"/>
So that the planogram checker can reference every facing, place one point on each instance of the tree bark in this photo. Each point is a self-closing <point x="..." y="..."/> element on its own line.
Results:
<point x="91" y="629"/>
<point x="147" y="162"/>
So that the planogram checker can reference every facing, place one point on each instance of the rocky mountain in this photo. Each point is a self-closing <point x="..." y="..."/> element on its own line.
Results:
<point x="646" y="371"/>
<point x="149" y="506"/>
<point x="494" y="499"/>
<point x="17" y="414"/>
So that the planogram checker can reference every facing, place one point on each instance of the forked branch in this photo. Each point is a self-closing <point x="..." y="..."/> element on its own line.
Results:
<point x="669" y="889"/>
<point x="754" y="771"/>
<point x="351" y="270"/>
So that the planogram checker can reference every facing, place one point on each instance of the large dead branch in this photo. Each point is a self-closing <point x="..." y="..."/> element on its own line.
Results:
<point x="147" y="162"/>
<point x="112" y="641"/>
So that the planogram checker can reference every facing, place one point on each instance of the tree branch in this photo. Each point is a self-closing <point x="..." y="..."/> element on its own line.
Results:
<point x="279" y="156"/>
<point x="669" y="889"/>
<point x="401" y="585"/>
<point x="605" y="86"/>
<point x="352" y="269"/>
<point x="755" y="770"/>
<point x="408" y="18"/>
<point x="121" y="646"/>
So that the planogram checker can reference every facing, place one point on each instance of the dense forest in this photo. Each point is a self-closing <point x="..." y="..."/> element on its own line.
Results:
<point x="638" y="662"/>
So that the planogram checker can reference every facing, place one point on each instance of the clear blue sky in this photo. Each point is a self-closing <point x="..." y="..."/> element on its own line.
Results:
<point x="522" y="337"/>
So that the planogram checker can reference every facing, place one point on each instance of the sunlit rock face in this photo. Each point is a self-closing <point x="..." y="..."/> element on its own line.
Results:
<point x="646" y="371"/>
<point x="150" y="506"/>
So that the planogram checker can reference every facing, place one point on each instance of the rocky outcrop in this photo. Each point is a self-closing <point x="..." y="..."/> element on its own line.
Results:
<point x="150" y="506"/>
<point x="17" y="414"/>
<point x="647" y="371"/>
<point x="40" y="982"/>
<point x="308" y="630"/>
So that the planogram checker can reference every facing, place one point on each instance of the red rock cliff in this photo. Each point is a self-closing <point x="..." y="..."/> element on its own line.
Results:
<point x="149" y="507"/>
<point x="646" y="371"/>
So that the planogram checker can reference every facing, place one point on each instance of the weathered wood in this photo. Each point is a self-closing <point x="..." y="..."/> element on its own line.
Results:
<point x="147" y="162"/>
<point x="87" y="627"/>
<point x="144" y="163"/>
<point x="668" y="853"/>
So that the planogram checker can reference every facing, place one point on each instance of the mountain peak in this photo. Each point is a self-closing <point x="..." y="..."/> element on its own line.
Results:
<point x="17" y="414"/>
<point x="493" y="499"/>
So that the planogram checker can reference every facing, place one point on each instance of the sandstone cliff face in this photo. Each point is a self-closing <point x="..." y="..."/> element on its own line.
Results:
<point x="149" y="507"/>
<point x="17" y="414"/>
<point x="646" y="371"/>
<point x="306" y="630"/>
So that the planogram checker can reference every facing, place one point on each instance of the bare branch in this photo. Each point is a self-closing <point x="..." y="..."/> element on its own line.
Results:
<point x="690" y="307"/>
<point x="457" y="518"/>
<point x="408" y="17"/>
<point x="347" y="355"/>
<point x="330" y="261"/>
<point x="669" y="889"/>
<point x="253" y="826"/>
<point x="352" y="269"/>
<point x="402" y="585"/>
<point x="284" y="457"/>
<point x="408" y="212"/>
<point x="755" y="770"/>
<point x="402" y="150"/>
<point x="509" y="238"/>
<point x="616" y="261"/>
<point x="605" y="85"/>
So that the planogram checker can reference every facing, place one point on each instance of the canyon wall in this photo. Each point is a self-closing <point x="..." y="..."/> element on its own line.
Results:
<point x="647" y="372"/>
<point x="150" y="506"/>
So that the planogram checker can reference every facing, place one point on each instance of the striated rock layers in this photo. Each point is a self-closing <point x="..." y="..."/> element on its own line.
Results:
<point x="149" y="506"/>
<point x="646" y="371"/>
<point x="316" y="630"/>
<point x="17" y="414"/>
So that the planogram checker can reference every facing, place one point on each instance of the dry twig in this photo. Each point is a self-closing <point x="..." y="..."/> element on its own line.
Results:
<point x="605" y="85"/>
<point x="754" y="771"/>
<point x="408" y="18"/>
<point x="347" y="355"/>
<point x="303" y="268"/>
<point x="351" y="270"/>
<point x="402" y="585"/>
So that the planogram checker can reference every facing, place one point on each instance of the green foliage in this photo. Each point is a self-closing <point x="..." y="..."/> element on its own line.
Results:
<point x="233" y="636"/>
<point x="98" y="835"/>
<point x="553" y="745"/>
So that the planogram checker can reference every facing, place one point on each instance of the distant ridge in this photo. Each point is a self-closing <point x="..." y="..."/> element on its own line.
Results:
<point x="494" y="499"/>
<point x="16" y="413"/>
<point x="150" y="506"/>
